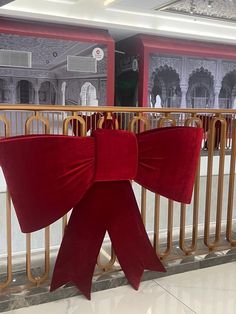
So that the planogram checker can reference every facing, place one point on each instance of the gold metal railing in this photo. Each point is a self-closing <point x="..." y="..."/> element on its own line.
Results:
<point x="74" y="120"/>
<point x="212" y="245"/>
<point x="43" y="277"/>
<point x="231" y="189"/>
<point x="193" y="120"/>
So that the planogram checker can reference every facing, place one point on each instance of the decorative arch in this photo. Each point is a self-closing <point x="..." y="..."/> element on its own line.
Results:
<point x="234" y="91"/>
<point x="227" y="97"/>
<point x="166" y="84"/>
<point x="202" y="70"/>
<point x="25" y="93"/>
<point x="29" y="79"/>
<point x="200" y="92"/>
<point x="47" y="93"/>
<point x="53" y="83"/>
<point x="173" y="62"/>
<point x="4" y="91"/>
<point x="194" y="65"/>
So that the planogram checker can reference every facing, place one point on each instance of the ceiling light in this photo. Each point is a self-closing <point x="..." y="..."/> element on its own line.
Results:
<point x="174" y="18"/>
<point x="107" y="2"/>
<point x="193" y="32"/>
<point x="63" y="1"/>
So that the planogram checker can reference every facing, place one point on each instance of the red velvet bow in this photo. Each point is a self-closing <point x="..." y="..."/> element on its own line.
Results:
<point x="48" y="175"/>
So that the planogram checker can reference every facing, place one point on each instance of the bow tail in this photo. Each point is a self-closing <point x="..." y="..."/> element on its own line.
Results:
<point x="107" y="206"/>
<point x="129" y="238"/>
<point x="81" y="243"/>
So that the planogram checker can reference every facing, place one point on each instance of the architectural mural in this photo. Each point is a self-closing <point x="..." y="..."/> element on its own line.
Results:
<point x="179" y="81"/>
<point x="192" y="82"/>
<point x="48" y="81"/>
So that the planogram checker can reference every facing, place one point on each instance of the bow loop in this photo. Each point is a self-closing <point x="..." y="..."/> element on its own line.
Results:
<point x="46" y="175"/>
<point x="168" y="160"/>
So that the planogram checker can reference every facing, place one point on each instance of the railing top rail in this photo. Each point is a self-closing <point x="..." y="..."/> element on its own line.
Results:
<point x="112" y="109"/>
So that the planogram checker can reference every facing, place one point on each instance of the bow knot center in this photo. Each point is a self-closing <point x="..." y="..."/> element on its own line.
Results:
<point x="116" y="155"/>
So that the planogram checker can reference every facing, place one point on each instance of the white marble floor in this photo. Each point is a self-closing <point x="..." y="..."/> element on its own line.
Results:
<point x="206" y="291"/>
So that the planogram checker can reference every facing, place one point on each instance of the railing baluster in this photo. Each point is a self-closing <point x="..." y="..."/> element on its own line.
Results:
<point x="8" y="280"/>
<point x="161" y="123"/>
<point x="146" y="125"/>
<point x="231" y="192"/>
<point x="144" y="205"/>
<point x="78" y="121"/>
<point x="156" y="222"/>
<point x="109" y="265"/>
<point x="109" y="116"/>
<point x="211" y="146"/>
<point x="189" y="249"/>
<point x="169" y="243"/>
<point x="9" y="243"/>
<point x="39" y="279"/>
<point x="167" y="119"/>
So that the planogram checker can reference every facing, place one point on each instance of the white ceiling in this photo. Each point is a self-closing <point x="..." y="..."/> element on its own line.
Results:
<point x="124" y="18"/>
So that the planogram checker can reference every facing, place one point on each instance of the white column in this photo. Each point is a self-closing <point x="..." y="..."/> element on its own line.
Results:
<point x="63" y="93"/>
<point x="12" y="89"/>
<point x="184" y="89"/>
<point x="216" y="97"/>
<point x="36" y="97"/>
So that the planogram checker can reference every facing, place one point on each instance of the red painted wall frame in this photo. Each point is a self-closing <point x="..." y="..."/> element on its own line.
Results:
<point x="66" y="32"/>
<point x="143" y="45"/>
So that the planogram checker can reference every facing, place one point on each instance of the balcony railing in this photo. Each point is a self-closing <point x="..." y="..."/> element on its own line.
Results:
<point x="204" y="226"/>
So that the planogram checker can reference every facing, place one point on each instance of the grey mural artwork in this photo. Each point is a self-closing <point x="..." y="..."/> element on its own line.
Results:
<point x="50" y="79"/>
<point x="192" y="82"/>
<point x="181" y="81"/>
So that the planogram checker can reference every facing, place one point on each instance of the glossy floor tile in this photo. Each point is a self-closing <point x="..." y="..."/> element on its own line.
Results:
<point x="150" y="299"/>
<point x="207" y="291"/>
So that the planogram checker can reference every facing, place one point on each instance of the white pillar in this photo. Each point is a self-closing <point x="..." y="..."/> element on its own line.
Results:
<point x="63" y="91"/>
<point x="184" y="89"/>
<point x="36" y="97"/>
<point x="216" y="97"/>
<point x="12" y="89"/>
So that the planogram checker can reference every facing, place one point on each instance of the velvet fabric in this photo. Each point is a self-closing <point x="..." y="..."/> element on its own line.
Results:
<point x="167" y="161"/>
<point x="107" y="206"/>
<point x="48" y="175"/>
<point x="116" y="155"/>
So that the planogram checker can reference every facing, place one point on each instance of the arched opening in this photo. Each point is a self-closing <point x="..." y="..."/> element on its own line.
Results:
<point x="127" y="89"/>
<point x="47" y="93"/>
<point x="167" y="86"/>
<point x="200" y="92"/>
<point x="3" y="91"/>
<point x="227" y="97"/>
<point x="25" y="92"/>
<point x="88" y="95"/>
